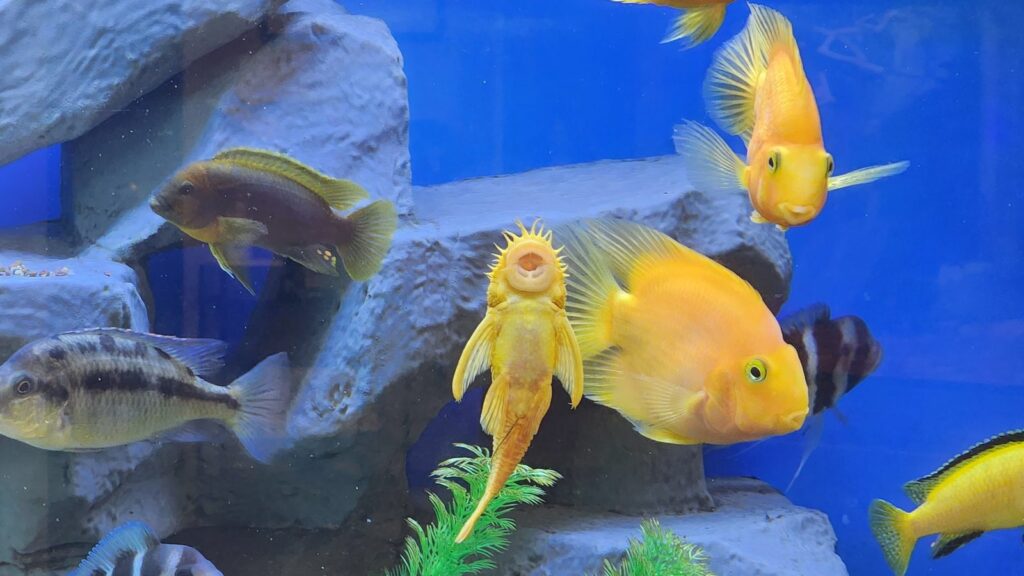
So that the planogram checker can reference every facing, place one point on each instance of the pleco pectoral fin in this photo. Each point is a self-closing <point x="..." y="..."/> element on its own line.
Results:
<point x="131" y="539"/>
<point x="948" y="543"/>
<point x="319" y="258"/>
<point x="865" y="175"/>
<point x="569" y="367"/>
<point x="241" y="230"/>
<point x="495" y="402"/>
<point x="711" y="166"/>
<point x="476" y="356"/>
<point x="231" y="258"/>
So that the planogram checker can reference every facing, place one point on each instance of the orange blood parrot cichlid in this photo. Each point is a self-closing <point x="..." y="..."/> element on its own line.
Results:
<point x="699" y="21"/>
<point x="978" y="491"/>
<point x="525" y="339"/>
<point x="756" y="88"/>
<point x="677" y="343"/>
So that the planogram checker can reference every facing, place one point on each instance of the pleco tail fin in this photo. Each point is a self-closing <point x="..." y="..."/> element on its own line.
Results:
<point x="731" y="84"/>
<point x="711" y="165"/>
<point x="370" y="238"/>
<point x="892" y="531"/>
<point x="264" y="394"/>
<point x="865" y="175"/>
<point x="696" y="25"/>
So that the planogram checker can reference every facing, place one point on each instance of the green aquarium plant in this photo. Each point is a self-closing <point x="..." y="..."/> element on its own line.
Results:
<point x="431" y="550"/>
<point x="659" y="552"/>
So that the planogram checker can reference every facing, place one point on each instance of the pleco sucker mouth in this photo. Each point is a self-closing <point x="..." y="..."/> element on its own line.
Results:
<point x="531" y="265"/>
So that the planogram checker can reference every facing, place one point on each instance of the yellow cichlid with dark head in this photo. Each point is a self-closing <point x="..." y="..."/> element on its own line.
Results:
<point x="977" y="491"/>
<point x="757" y="89"/>
<point x="525" y="339"/>
<point x="681" y="346"/>
<point x="699" y="21"/>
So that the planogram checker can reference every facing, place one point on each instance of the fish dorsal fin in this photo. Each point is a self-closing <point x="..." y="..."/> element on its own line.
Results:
<point x="631" y="247"/>
<point x="948" y="543"/>
<point x="731" y="84"/>
<point x="339" y="193"/>
<point x="132" y="538"/>
<point x="806" y="317"/>
<point x="204" y="356"/>
<point x="918" y="490"/>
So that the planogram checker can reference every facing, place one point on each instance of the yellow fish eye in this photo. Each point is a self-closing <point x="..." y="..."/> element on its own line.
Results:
<point x="774" y="160"/>
<point x="830" y="165"/>
<point x="756" y="371"/>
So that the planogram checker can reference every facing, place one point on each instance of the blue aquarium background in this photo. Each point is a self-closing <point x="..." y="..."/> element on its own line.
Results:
<point x="932" y="260"/>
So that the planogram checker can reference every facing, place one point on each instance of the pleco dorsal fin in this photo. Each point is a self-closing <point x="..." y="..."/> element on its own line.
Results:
<point x="865" y="175"/>
<point x="806" y="317"/>
<point x="731" y="84"/>
<point x="918" y="490"/>
<point x="711" y="166"/>
<point x="204" y="356"/>
<point x="132" y="538"/>
<point x="948" y="543"/>
<point x="339" y="193"/>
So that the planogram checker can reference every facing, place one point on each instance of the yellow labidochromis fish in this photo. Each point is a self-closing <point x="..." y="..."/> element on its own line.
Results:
<point x="757" y="89"/>
<point x="677" y="343"/>
<point x="525" y="338"/>
<point x="699" y="21"/>
<point x="978" y="491"/>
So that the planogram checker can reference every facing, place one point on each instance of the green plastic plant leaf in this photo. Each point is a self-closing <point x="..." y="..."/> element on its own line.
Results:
<point x="659" y="553"/>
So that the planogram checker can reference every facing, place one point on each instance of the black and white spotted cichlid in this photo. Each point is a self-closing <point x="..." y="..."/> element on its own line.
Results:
<point x="134" y="550"/>
<point x="95" y="389"/>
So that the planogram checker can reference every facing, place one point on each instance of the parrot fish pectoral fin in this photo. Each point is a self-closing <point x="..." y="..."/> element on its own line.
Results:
<point x="711" y="166"/>
<point x="319" y="258"/>
<point x="865" y="175"/>
<point x="476" y="356"/>
<point x="949" y="543"/>
<point x="569" y="366"/>
<point x="231" y="258"/>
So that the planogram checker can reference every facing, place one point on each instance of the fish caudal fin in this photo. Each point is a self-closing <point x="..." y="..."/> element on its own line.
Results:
<point x="865" y="175"/>
<point x="696" y="25"/>
<point x="731" y="85"/>
<point x="132" y="539"/>
<point x="711" y="165"/>
<point x="592" y="291"/>
<point x="892" y="531"/>
<point x="369" y="240"/>
<point x="264" y="394"/>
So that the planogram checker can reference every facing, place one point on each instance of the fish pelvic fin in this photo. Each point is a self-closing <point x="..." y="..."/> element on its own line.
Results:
<point x="492" y="416"/>
<point x="592" y="291"/>
<point x="369" y="239"/>
<point x="865" y="175"/>
<point x="338" y="193"/>
<point x="569" y="366"/>
<point x="132" y="538"/>
<point x="264" y="394"/>
<point x="730" y="87"/>
<point x="891" y="529"/>
<point x="949" y="543"/>
<point x="696" y="25"/>
<point x="476" y="356"/>
<point x="232" y="259"/>
<point x="711" y="165"/>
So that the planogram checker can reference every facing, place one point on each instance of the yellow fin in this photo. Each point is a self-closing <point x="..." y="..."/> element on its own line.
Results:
<point x="632" y="247"/>
<point x="893" y="532"/>
<point x="756" y="218"/>
<point x="949" y="543"/>
<point x="569" y="367"/>
<point x="373" y="226"/>
<point x="494" y="406"/>
<point x="731" y="85"/>
<point x="319" y="258"/>
<point x="696" y="25"/>
<point x="663" y="436"/>
<point x="231" y="259"/>
<point x="711" y="166"/>
<point x="339" y="193"/>
<point x="476" y="356"/>
<point x="591" y="291"/>
<point x="918" y="490"/>
<point x="865" y="175"/>
<point x="240" y="230"/>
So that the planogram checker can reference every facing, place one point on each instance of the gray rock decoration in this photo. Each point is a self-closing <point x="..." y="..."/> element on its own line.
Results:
<point x="373" y="360"/>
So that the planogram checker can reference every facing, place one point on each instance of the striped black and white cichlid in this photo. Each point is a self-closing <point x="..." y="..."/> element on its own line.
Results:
<point x="134" y="550"/>
<point x="105" y="387"/>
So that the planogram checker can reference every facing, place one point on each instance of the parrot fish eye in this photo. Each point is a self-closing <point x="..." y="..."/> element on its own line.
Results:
<point x="756" y="371"/>
<point x="774" y="160"/>
<point x="829" y="165"/>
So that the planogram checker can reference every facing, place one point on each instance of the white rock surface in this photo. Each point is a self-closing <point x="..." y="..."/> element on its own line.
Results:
<point x="754" y="531"/>
<point x="69" y="65"/>
<point x="325" y="87"/>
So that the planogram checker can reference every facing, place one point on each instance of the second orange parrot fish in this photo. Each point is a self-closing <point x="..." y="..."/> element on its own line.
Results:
<point x="525" y="338"/>
<point x="757" y="89"/>
<point x="680" y="345"/>
<point x="699" y="21"/>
